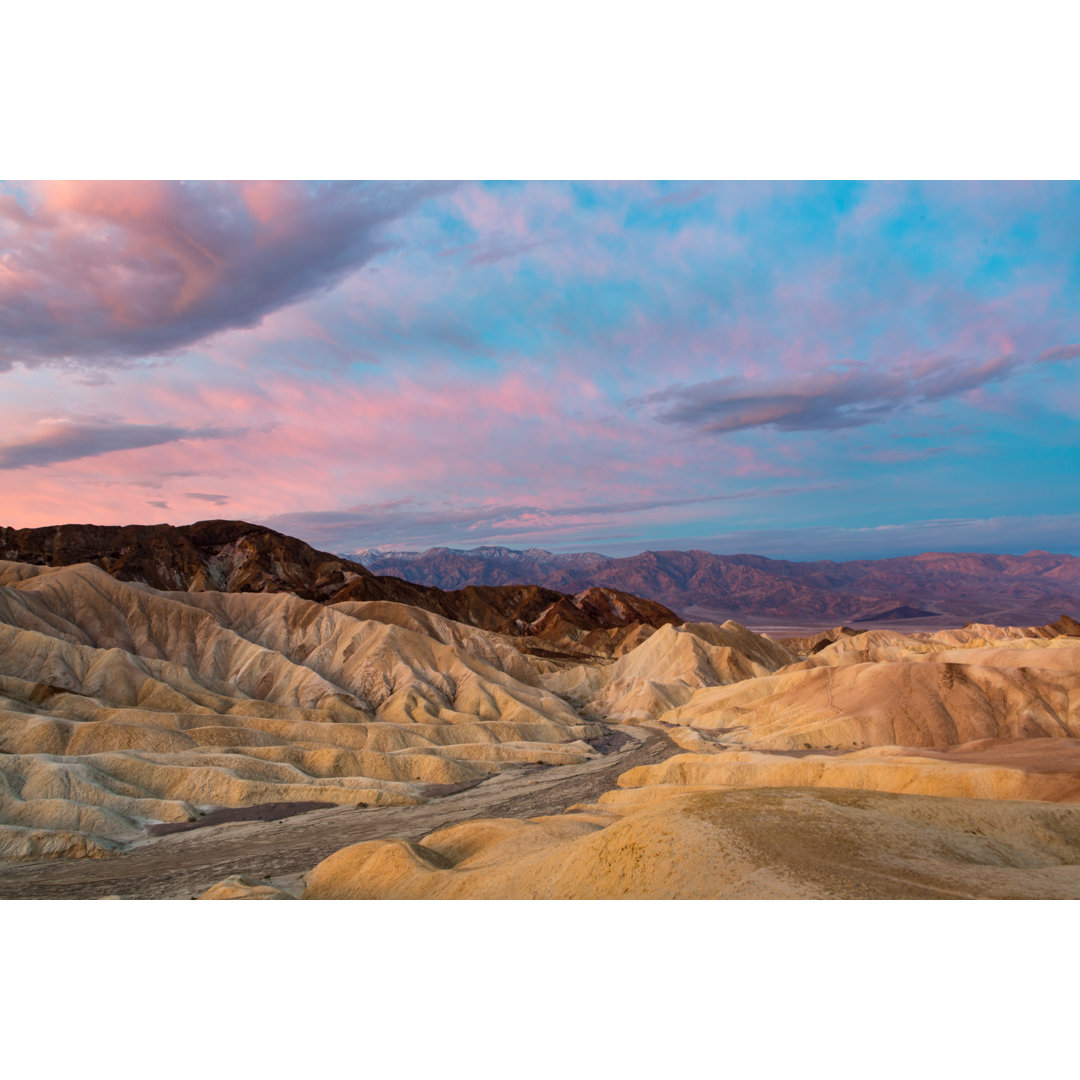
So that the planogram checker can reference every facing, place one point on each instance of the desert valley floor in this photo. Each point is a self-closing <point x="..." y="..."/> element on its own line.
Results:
<point x="201" y="742"/>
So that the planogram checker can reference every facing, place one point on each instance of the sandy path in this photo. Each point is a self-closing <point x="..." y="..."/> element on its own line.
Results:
<point x="183" y="865"/>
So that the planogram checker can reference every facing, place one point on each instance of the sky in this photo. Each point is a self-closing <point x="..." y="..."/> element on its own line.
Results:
<point x="802" y="370"/>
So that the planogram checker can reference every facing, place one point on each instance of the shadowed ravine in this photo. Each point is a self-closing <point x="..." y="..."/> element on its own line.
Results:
<point x="182" y="865"/>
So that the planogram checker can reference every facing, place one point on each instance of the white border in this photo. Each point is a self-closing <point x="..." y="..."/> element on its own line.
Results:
<point x="948" y="89"/>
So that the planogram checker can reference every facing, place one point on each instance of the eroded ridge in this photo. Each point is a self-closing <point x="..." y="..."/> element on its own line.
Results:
<point x="263" y="745"/>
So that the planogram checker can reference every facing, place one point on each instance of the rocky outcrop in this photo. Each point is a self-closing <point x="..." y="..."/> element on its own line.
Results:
<point x="238" y="557"/>
<point x="220" y="556"/>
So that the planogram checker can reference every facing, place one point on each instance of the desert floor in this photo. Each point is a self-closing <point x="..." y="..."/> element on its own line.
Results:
<point x="183" y="865"/>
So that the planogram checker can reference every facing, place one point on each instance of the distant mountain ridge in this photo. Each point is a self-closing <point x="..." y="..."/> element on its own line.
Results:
<point x="545" y="595"/>
<point x="240" y="557"/>
<point x="1029" y="588"/>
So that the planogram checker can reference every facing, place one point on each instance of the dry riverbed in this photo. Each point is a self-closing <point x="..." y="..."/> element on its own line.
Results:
<point x="183" y="864"/>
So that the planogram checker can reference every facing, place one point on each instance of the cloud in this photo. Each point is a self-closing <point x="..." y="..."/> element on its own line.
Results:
<point x="405" y="525"/>
<point x="70" y="440"/>
<point x="682" y="196"/>
<point x="490" y="251"/>
<point x="498" y="389"/>
<point x="217" y="500"/>
<point x="112" y="272"/>
<point x="401" y="522"/>
<point x="852" y="396"/>
<point x="1060" y="352"/>
<point x="899" y="457"/>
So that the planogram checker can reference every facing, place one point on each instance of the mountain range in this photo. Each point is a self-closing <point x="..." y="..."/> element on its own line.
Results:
<point x="561" y="597"/>
<point x="239" y="557"/>
<point x="934" y="588"/>
<point x="220" y="710"/>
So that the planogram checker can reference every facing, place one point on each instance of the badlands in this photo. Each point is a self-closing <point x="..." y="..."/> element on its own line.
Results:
<point x="222" y="712"/>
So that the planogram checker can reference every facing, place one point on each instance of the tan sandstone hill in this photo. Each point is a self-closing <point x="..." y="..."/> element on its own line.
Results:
<point x="121" y="705"/>
<point x="762" y="843"/>
<point x="239" y="557"/>
<point x="888" y="704"/>
<point x="270" y="682"/>
<point x="974" y="774"/>
<point x="664" y="670"/>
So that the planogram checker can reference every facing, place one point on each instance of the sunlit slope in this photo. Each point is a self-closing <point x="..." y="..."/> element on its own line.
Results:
<point x="667" y="667"/>
<point x="888" y="703"/>
<point x="121" y="705"/>
<point x="883" y="766"/>
<point x="497" y="650"/>
<point x="764" y="843"/>
<point x="848" y="764"/>
<point x="990" y="646"/>
<point x="971" y="772"/>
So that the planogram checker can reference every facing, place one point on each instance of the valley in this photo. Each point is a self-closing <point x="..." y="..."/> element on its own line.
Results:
<point x="273" y="726"/>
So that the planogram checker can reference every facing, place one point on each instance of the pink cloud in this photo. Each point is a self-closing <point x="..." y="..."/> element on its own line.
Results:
<point x="163" y="442"/>
<point x="115" y="271"/>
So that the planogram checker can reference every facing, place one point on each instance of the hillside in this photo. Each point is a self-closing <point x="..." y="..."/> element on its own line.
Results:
<point x="238" y="557"/>
<point x="1031" y="588"/>
<point x="236" y="742"/>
